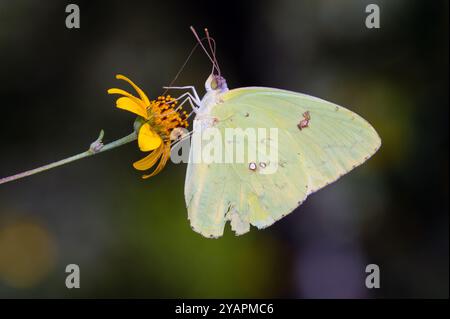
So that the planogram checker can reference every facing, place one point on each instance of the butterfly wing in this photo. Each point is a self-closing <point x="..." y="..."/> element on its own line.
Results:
<point x="330" y="142"/>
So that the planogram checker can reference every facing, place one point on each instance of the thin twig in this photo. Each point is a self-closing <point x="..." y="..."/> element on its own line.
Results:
<point x="95" y="148"/>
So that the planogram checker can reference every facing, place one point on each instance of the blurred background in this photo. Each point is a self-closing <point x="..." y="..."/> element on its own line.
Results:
<point x="131" y="238"/>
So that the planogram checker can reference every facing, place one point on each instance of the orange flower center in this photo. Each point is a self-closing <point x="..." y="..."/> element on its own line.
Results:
<point x="165" y="115"/>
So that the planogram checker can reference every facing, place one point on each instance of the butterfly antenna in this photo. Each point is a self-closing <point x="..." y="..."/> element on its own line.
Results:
<point x="212" y="46"/>
<point x="203" y="47"/>
<point x="182" y="67"/>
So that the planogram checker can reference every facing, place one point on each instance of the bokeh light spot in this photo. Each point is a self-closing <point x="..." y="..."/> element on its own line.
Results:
<point x="27" y="254"/>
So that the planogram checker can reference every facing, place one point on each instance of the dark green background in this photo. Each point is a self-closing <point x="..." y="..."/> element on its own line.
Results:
<point x="131" y="238"/>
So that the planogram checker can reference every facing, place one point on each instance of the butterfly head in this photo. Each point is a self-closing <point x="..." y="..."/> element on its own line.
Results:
<point x="216" y="82"/>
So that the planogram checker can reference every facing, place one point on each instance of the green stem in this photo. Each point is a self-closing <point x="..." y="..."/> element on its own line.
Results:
<point x="95" y="148"/>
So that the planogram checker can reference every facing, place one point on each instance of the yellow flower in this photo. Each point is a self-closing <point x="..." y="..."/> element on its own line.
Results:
<point x="156" y="119"/>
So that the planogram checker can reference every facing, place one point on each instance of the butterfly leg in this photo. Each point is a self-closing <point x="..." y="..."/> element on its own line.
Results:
<point x="189" y="87"/>
<point x="187" y="97"/>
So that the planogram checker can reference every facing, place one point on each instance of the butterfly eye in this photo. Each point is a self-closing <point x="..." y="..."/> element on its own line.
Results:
<point x="214" y="84"/>
<point x="252" y="166"/>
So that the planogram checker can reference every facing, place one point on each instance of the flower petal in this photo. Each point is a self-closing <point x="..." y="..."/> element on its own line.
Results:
<point x="165" y="157"/>
<point x="126" y="103"/>
<point x="148" y="140"/>
<point x="137" y="88"/>
<point x="150" y="160"/>
<point x="122" y="92"/>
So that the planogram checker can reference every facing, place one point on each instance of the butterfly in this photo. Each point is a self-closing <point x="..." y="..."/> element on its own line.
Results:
<point x="317" y="142"/>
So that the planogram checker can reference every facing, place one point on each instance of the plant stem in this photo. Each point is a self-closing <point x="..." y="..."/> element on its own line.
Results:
<point x="95" y="148"/>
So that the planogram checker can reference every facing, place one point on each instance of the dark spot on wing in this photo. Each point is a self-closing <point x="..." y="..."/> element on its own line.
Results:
<point x="304" y="123"/>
